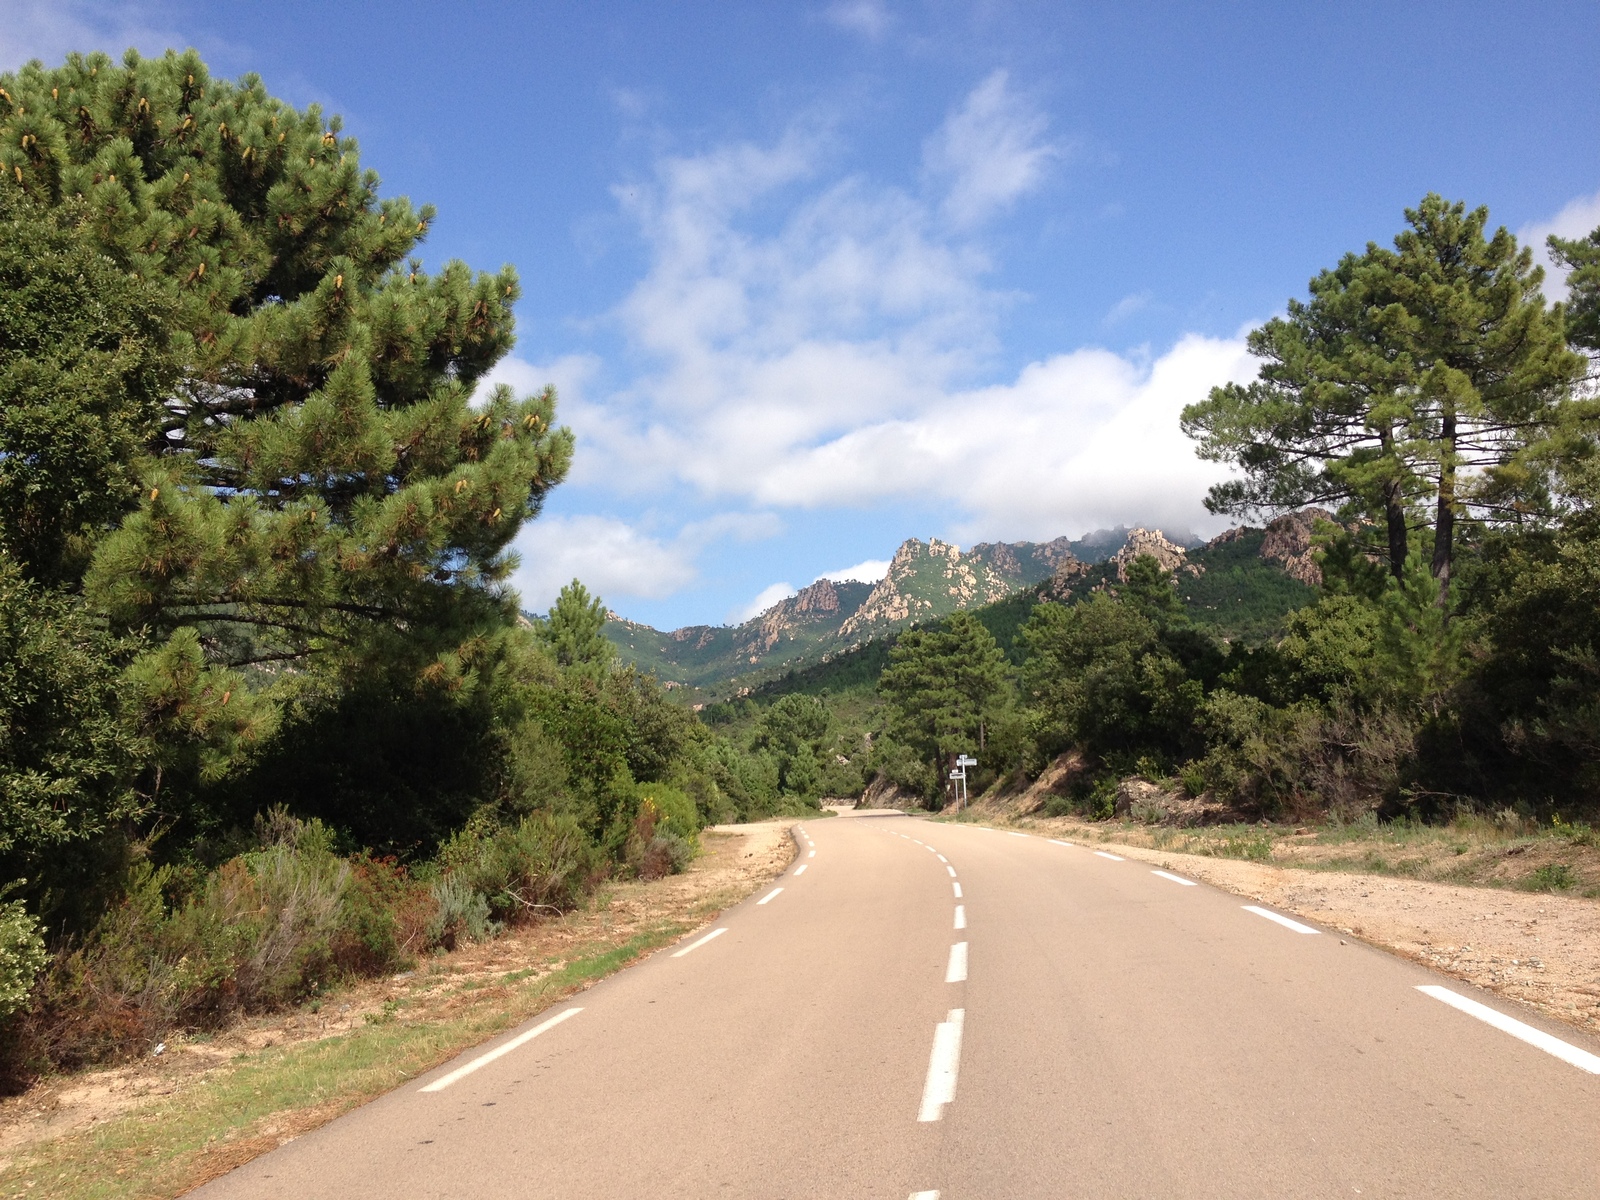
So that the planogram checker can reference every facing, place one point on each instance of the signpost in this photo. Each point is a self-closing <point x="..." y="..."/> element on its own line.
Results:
<point x="959" y="775"/>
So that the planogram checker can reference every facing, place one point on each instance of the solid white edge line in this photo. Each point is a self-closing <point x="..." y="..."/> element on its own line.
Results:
<point x="1112" y="857"/>
<point x="769" y="896"/>
<point x="1280" y="919"/>
<point x="961" y="916"/>
<point x="1581" y="1059"/>
<point x="701" y="942"/>
<point x="1059" y="842"/>
<point x="951" y="869"/>
<point x="957" y="887"/>
<point x="1175" y="878"/>
<point x="944" y="1064"/>
<point x="956" y="972"/>
<point x="801" y="869"/>
<point x="483" y="1060"/>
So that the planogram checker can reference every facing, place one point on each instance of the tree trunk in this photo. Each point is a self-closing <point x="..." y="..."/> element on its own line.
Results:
<point x="1444" y="528"/>
<point x="1394" y="514"/>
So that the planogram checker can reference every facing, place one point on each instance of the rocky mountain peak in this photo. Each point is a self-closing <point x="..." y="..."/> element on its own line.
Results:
<point x="1153" y="542"/>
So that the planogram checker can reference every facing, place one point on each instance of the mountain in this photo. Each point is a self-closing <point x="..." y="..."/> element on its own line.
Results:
<point x="1240" y="584"/>
<point x="925" y="580"/>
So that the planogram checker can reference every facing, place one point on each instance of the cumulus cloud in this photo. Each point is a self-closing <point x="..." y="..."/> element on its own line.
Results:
<point x="763" y="600"/>
<point x="1579" y="218"/>
<point x="870" y="571"/>
<point x="609" y="556"/>
<point x="991" y="150"/>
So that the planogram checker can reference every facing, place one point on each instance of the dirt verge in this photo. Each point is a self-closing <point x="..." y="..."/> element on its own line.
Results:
<point x="166" y="1124"/>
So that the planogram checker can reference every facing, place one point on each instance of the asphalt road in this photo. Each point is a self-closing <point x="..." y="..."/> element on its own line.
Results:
<point x="932" y="1009"/>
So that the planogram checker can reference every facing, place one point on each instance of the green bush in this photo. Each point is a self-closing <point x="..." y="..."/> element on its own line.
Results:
<point x="544" y="863"/>
<point x="22" y="956"/>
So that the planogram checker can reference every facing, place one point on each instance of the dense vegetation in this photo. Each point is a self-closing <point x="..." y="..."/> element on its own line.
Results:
<point x="268" y="713"/>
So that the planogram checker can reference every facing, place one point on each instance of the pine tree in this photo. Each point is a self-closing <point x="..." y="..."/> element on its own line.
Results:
<point x="323" y="483"/>
<point x="944" y="686"/>
<point x="1416" y="386"/>
<point x="573" y="631"/>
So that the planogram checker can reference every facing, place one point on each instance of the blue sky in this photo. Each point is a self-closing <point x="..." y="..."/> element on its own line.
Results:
<point x="813" y="278"/>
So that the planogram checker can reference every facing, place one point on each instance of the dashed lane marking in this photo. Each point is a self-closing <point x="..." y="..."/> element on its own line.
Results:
<point x="483" y="1060"/>
<point x="801" y="869"/>
<point x="951" y="869"/>
<point x="1112" y="857"/>
<point x="770" y="896"/>
<point x="956" y="972"/>
<point x="924" y="1196"/>
<point x="944" y="1064"/>
<point x="1581" y="1059"/>
<point x="961" y="916"/>
<point x="1279" y="918"/>
<point x="1175" y="878"/>
<point x="696" y="945"/>
<point x="1059" y="842"/>
<point x="957" y="887"/>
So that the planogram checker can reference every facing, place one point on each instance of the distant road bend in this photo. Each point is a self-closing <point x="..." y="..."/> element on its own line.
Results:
<point x="925" y="1010"/>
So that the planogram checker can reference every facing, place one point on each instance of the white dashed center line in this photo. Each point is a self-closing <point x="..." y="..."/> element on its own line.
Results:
<point x="944" y="1064"/>
<point x="956" y="972"/>
<point x="924" y="1196"/>
<point x="1176" y="878"/>
<point x="957" y="887"/>
<point x="1112" y="857"/>
<point x="1581" y="1059"/>
<point x="696" y="945"/>
<point x="951" y="869"/>
<point x="811" y="853"/>
<point x="943" y="859"/>
<point x="772" y="895"/>
<point x="961" y="916"/>
<point x="1280" y="919"/>
<point x="801" y="869"/>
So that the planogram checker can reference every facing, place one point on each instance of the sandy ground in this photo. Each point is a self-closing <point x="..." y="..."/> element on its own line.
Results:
<point x="1542" y="950"/>
<point x="734" y="861"/>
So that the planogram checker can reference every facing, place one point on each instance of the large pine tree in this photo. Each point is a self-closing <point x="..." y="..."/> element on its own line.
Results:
<point x="322" y="481"/>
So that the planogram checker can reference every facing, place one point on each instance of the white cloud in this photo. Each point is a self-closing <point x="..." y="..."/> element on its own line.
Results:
<point x="870" y="571"/>
<point x="870" y="18"/>
<point x="1126" y="307"/>
<point x="827" y="359"/>
<point x="991" y="150"/>
<point x="1579" y="218"/>
<point x="763" y="600"/>
<point x="51" y="29"/>
<point x="609" y="556"/>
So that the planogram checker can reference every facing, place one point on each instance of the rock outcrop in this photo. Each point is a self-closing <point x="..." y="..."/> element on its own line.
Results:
<point x="1288" y="542"/>
<point x="1153" y="542"/>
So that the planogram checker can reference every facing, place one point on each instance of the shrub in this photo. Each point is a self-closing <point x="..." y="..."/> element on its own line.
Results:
<point x="545" y="862"/>
<point x="22" y="956"/>
<point x="459" y="909"/>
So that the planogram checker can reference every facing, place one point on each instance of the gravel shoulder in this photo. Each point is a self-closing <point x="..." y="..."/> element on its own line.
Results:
<point x="163" y="1125"/>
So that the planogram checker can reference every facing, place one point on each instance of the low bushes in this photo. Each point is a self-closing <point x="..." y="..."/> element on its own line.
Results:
<point x="278" y="924"/>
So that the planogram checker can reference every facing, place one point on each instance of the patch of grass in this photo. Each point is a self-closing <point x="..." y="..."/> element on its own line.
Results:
<point x="226" y="1120"/>
<point x="1552" y="877"/>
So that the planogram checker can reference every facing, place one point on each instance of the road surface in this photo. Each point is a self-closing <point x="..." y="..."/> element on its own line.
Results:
<point x="918" y="1009"/>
